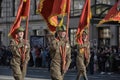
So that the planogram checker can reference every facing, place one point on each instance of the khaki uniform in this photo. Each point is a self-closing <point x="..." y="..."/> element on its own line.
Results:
<point x="19" y="67"/>
<point x="81" y="61"/>
<point x="56" y="63"/>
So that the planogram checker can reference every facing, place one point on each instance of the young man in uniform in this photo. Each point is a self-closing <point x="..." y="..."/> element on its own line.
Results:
<point x="60" y="54"/>
<point x="83" y="55"/>
<point x="20" y="51"/>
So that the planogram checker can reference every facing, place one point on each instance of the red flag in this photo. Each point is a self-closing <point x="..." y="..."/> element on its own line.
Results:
<point x="59" y="8"/>
<point x="23" y="12"/>
<point x="50" y="10"/>
<point x="68" y="6"/>
<point x="84" y="20"/>
<point x="113" y="14"/>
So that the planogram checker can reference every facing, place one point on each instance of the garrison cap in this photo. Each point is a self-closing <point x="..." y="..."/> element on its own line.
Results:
<point x="20" y="29"/>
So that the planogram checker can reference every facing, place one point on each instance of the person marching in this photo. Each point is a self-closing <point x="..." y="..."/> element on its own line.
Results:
<point x="20" y="50"/>
<point x="83" y="55"/>
<point x="60" y="54"/>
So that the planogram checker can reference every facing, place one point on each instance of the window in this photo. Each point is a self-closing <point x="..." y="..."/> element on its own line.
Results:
<point x="0" y="7"/>
<point x="76" y="7"/>
<point x="13" y="9"/>
<point x="104" y="36"/>
<point x="16" y="5"/>
<point x="101" y="8"/>
<point x="37" y="41"/>
<point x="6" y="8"/>
<point x="73" y="36"/>
<point x="103" y="1"/>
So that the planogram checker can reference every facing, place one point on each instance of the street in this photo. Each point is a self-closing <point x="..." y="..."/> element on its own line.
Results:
<point x="43" y="74"/>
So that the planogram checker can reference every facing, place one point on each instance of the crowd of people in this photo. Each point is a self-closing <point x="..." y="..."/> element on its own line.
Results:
<point x="5" y="56"/>
<point x="39" y="57"/>
<point x="103" y="59"/>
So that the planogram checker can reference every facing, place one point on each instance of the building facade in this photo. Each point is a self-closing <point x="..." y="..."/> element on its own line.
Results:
<point x="104" y="35"/>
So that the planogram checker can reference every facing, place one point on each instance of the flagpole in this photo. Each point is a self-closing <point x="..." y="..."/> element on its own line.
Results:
<point x="27" y="21"/>
<point x="26" y="29"/>
<point x="68" y="21"/>
<point x="89" y="4"/>
<point x="68" y="18"/>
<point x="26" y="32"/>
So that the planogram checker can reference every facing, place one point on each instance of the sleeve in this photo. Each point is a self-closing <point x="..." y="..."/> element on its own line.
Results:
<point x="54" y="45"/>
<point x="53" y="48"/>
<point x="68" y="58"/>
<point x="28" y="52"/>
<point x="88" y="49"/>
<point x="88" y="53"/>
<point x="14" y="46"/>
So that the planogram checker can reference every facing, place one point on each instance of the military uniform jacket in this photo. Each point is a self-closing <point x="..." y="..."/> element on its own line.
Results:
<point x="56" y="58"/>
<point x="80" y="48"/>
<point x="14" y="46"/>
<point x="81" y="52"/>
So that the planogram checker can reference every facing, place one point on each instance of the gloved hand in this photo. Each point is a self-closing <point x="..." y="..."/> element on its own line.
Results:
<point x="87" y="62"/>
<point x="67" y="40"/>
<point x="20" y="45"/>
<point x="65" y="70"/>
<point x="23" y="63"/>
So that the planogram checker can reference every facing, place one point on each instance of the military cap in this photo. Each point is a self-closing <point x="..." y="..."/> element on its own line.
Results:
<point x="20" y="29"/>
<point x="61" y="28"/>
<point x="85" y="30"/>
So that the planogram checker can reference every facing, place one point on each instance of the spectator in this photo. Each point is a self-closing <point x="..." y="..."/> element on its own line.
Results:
<point x="91" y="64"/>
<point x="44" y="56"/>
<point x="102" y="60"/>
<point x="33" y="55"/>
<point x="38" y="57"/>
